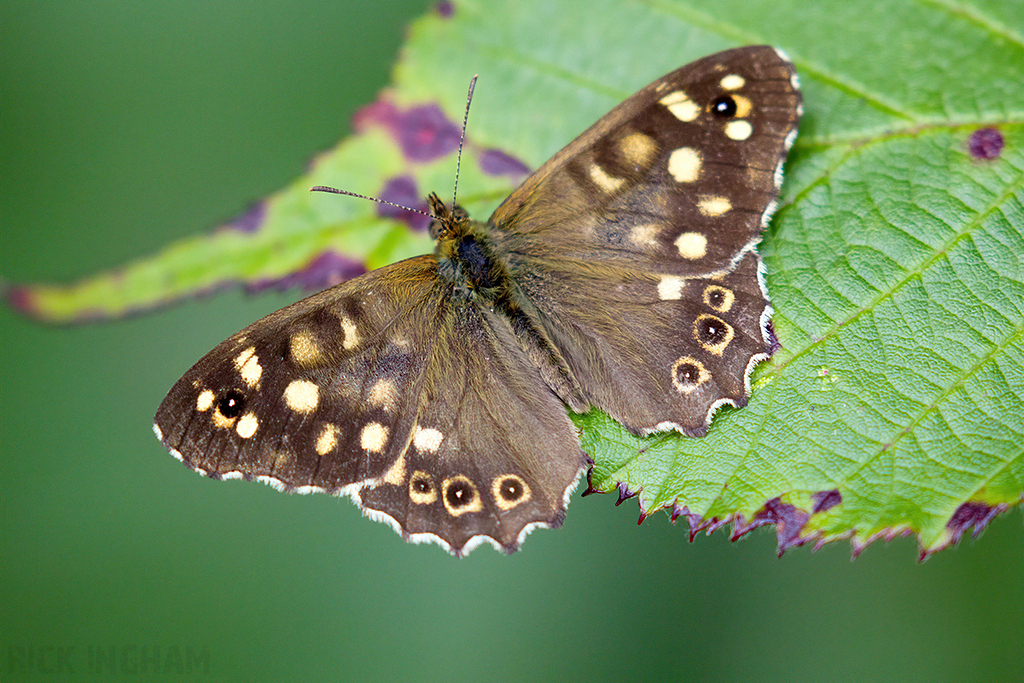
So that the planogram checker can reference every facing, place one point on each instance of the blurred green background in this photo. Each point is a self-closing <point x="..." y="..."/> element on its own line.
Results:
<point x="126" y="126"/>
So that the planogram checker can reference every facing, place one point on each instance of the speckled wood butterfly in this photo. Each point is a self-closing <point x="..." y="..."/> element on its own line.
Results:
<point x="622" y="275"/>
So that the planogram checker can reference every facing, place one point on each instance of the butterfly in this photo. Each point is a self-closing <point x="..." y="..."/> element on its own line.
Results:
<point x="622" y="275"/>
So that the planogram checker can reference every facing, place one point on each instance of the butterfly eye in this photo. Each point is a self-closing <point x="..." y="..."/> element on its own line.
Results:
<point x="724" y="107"/>
<point x="231" y="404"/>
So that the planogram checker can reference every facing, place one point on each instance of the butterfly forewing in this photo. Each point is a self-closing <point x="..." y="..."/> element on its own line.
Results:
<point x="623" y="274"/>
<point x="637" y="246"/>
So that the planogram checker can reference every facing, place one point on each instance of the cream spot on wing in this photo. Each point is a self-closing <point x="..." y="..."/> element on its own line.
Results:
<point x="684" y="164"/>
<point x="680" y="105"/>
<point x="692" y="245"/>
<point x="738" y="130"/>
<point x="509" y="490"/>
<point x="645" y="235"/>
<point x="247" y="425"/>
<point x="719" y="298"/>
<point x="460" y="496"/>
<point x="396" y="473"/>
<point x="743" y="106"/>
<point x="732" y="82"/>
<point x="249" y="366"/>
<point x="383" y="394"/>
<point x="688" y="373"/>
<point x="777" y="177"/>
<point x="603" y="180"/>
<point x="205" y="400"/>
<point x="427" y="440"/>
<point x="351" y="335"/>
<point x="374" y="437"/>
<point x="670" y="287"/>
<point x="638" y="149"/>
<point x="302" y="396"/>
<point x="714" y="206"/>
<point x="421" y="488"/>
<point x="304" y="348"/>
<point x="327" y="441"/>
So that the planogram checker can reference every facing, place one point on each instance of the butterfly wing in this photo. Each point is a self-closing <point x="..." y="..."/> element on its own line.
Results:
<point x="419" y="405"/>
<point x="636" y="243"/>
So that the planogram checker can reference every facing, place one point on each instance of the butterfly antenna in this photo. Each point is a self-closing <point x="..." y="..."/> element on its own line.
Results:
<point x="334" y="190"/>
<point x="465" y="120"/>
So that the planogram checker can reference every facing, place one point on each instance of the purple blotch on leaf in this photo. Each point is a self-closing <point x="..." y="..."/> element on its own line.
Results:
<point x="695" y="521"/>
<point x="788" y="519"/>
<point x="625" y="493"/>
<point x="327" y="269"/>
<point x="402" y="190"/>
<point x="971" y="514"/>
<point x="251" y="220"/>
<point x="985" y="143"/>
<point x="380" y="113"/>
<point x="19" y="297"/>
<point x="826" y="500"/>
<point x="496" y="162"/>
<point x="773" y="340"/>
<point x="424" y="133"/>
<point x="445" y="8"/>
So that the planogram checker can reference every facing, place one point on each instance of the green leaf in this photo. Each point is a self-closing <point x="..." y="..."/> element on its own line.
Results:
<point x="896" y="264"/>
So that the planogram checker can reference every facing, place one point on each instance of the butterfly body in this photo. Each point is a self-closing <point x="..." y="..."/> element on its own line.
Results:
<point x="622" y="275"/>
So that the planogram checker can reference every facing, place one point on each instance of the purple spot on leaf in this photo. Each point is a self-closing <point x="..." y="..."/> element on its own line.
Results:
<point x="496" y="162"/>
<point x="329" y="268"/>
<point x="971" y="514"/>
<point x="380" y="113"/>
<point x="985" y="143"/>
<point x="402" y="190"/>
<point x="695" y="522"/>
<point x="789" y="521"/>
<point x="250" y="221"/>
<point x="425" y="133"/>
<point x="624" y="493"/>
<point x="826" y="500"/>
<point x="445" y="8"/>
<point x="773" y="341"/>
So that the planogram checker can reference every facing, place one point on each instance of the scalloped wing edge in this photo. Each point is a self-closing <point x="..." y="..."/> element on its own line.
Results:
<point x="352" y="491"/>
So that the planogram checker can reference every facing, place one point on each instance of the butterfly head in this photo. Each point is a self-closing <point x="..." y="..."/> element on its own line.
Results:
<point x="447" y="223"/>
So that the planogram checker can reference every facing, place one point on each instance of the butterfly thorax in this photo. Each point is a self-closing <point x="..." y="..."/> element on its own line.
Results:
<point x="470" y="261"/>
<point x="466" y="255"/>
